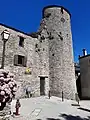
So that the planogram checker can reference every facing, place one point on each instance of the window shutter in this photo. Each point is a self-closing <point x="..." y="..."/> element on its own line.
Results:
<point x="25" y="62"/>
<point x="15" y="59"/>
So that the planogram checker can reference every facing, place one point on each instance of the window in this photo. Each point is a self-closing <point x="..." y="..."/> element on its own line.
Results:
<point x="48" y="15"/>
<point x="61" y="38"/>
<point x="21" y="41"/>
<point x="60" y="33"/>
<point x="62" y="10"/>
<point x="20" y="60"/>
<point x="53" y="54"/>
<point x="36" y="45"/>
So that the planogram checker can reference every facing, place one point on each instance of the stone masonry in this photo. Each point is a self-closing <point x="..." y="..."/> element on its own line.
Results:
<point x="85" y="76"/>
<point x="47" y="54"/>
<point x="56" y="21"/>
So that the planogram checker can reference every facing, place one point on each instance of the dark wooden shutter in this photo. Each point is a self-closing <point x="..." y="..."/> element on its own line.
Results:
<point x="15" y="59"/>
<point x="25" y="62"/>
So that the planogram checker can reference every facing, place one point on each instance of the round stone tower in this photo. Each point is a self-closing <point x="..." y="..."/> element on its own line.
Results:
<point x="56" y="21"/>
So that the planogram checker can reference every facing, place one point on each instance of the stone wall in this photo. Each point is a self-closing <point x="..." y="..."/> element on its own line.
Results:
<point x="12" y="49"/>
<point x="85" y="75"/>
<point x="47" y="55"/>
<point x="56" y="21"/>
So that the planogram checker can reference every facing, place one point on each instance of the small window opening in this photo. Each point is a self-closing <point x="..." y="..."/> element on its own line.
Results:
<point x="61" y="38"/>
<point x="48" y="15"/>
<point x="21" y="42"/>
<point x="36" y="45"/>
<point x="62" y="10"/>
<point x="60" y="33"/>
<point x="53" y="54"/>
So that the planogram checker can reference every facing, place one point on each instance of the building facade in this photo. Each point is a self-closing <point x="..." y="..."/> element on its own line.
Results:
<point x="43" y="60"/>
<point x="84" y="62"/>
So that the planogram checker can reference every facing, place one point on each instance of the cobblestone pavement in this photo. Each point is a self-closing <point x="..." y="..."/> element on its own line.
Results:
<point x="42" y="108"/>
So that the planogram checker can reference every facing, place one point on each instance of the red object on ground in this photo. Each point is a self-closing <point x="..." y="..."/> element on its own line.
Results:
<point x="17" y="111"/>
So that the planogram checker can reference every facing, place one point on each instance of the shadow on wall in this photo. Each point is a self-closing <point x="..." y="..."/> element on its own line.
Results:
<point x="78" y="84"/>
<point x="68" y="117"/>
<point x="50" y="119"/>
<point x="84" y="109"/>
<point x="71" y="117"/>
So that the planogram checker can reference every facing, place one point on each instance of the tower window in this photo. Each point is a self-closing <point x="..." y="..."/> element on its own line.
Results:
<point x="60" y="33"/>
<point x="62" y="10"/>
<point x="36" y="45"/>
<point x="20" y="60"/>
<point x="48" y="15"/>
<point x="61" y="38"/>
<point x="21" y="41"/>
<point x="53" y="54"/>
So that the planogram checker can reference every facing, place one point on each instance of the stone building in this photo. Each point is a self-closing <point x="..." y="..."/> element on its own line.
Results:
<point x="84" y="62"/>
<point x="43" y="60"/>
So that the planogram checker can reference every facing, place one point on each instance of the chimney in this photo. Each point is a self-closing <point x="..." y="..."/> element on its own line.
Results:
<point x="84" y="52"/>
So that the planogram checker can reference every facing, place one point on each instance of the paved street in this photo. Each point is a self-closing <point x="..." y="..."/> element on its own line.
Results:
<point x="42" y="108"/>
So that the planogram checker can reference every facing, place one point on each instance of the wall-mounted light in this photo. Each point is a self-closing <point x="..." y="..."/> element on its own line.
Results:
<point x="5" y="36"/>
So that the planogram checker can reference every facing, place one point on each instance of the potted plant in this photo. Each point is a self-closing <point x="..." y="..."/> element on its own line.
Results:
<point x="7" y="92"/>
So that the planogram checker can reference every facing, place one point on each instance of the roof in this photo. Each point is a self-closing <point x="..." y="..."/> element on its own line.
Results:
<point x="51" y="6"/>
<point x="84" y="56"/>
<point x="14" y="29"/>
<point x="34" y="34"/>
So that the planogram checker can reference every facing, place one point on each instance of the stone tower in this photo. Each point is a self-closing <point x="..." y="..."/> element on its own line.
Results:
<point x="56" y="25"/>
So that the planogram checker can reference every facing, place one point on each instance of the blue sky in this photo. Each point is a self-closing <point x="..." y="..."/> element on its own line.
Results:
<point x="25" y="15"/>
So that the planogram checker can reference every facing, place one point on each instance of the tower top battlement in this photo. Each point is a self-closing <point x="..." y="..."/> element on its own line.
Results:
<point x="55" y="6"/>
